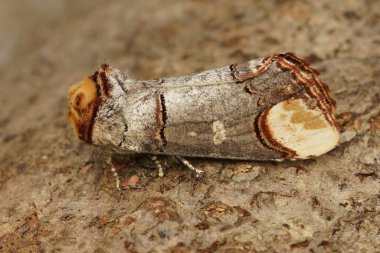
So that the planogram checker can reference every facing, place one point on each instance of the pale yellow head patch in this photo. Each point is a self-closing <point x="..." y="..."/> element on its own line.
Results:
<point x="299" y="128"/>
<point x="82" y="102"/>
<point x="85" y="89"/>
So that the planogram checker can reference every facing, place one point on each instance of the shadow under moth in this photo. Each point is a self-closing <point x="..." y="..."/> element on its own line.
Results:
<point x="267" y="109"/>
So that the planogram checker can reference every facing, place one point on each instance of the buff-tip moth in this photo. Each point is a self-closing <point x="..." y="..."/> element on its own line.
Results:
<point x="268" y="109"/>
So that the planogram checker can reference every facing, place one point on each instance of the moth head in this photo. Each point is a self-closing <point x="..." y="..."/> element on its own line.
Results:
<point x="82" y="105"/>
<point x="84" y="99"/>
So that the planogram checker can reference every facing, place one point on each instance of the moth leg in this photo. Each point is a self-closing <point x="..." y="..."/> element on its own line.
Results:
<point x="158" y="166"/>
<point x="198" y="172"/>
<point x="113" y="169"/>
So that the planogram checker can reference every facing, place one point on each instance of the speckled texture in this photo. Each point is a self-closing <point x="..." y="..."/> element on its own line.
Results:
<point x="57" y="197"/>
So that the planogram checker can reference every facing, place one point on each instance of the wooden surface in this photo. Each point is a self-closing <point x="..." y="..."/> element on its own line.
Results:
<point x="57" y="196"/>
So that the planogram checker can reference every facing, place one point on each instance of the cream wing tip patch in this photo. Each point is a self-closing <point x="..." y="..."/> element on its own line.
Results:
<point x="297" y="127"/>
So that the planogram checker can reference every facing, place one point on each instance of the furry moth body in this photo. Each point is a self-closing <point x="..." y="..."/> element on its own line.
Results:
<point x="271" y="108"/>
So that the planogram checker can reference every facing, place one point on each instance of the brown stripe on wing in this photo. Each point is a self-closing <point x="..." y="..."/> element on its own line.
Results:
<point x="305" y="66"/>
<point x="243" y="71"/>
<point x="103" y="81"/>
<point x="266" y="137"/>
<point x="312" y="88"/>
<point x="161" y="119"/>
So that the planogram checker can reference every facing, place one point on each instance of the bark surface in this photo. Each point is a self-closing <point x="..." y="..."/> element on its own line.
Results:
<point x="56" y="195"/>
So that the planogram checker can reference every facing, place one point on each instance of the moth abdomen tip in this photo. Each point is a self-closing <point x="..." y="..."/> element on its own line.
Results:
<point x="295" y="128"/>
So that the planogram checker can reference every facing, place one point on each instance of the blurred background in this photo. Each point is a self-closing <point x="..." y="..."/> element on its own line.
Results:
<point x="45" y="46"/>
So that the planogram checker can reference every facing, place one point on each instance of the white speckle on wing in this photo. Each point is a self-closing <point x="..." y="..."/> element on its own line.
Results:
<point x="219" y="132"/>
<point x="192" y="134"/>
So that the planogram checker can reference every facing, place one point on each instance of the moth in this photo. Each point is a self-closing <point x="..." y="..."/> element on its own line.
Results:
<point x="268" y="109"/>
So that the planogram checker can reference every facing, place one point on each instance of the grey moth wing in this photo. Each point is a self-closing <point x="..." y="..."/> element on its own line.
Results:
<point x="271" y="108"/>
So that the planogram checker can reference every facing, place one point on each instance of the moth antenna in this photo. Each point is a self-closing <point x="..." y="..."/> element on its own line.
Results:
<point x="198" y="172"/>
<point x="158" y="166"/>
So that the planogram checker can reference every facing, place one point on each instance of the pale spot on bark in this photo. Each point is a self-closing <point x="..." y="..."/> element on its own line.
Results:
<point x="219" y="132"/>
